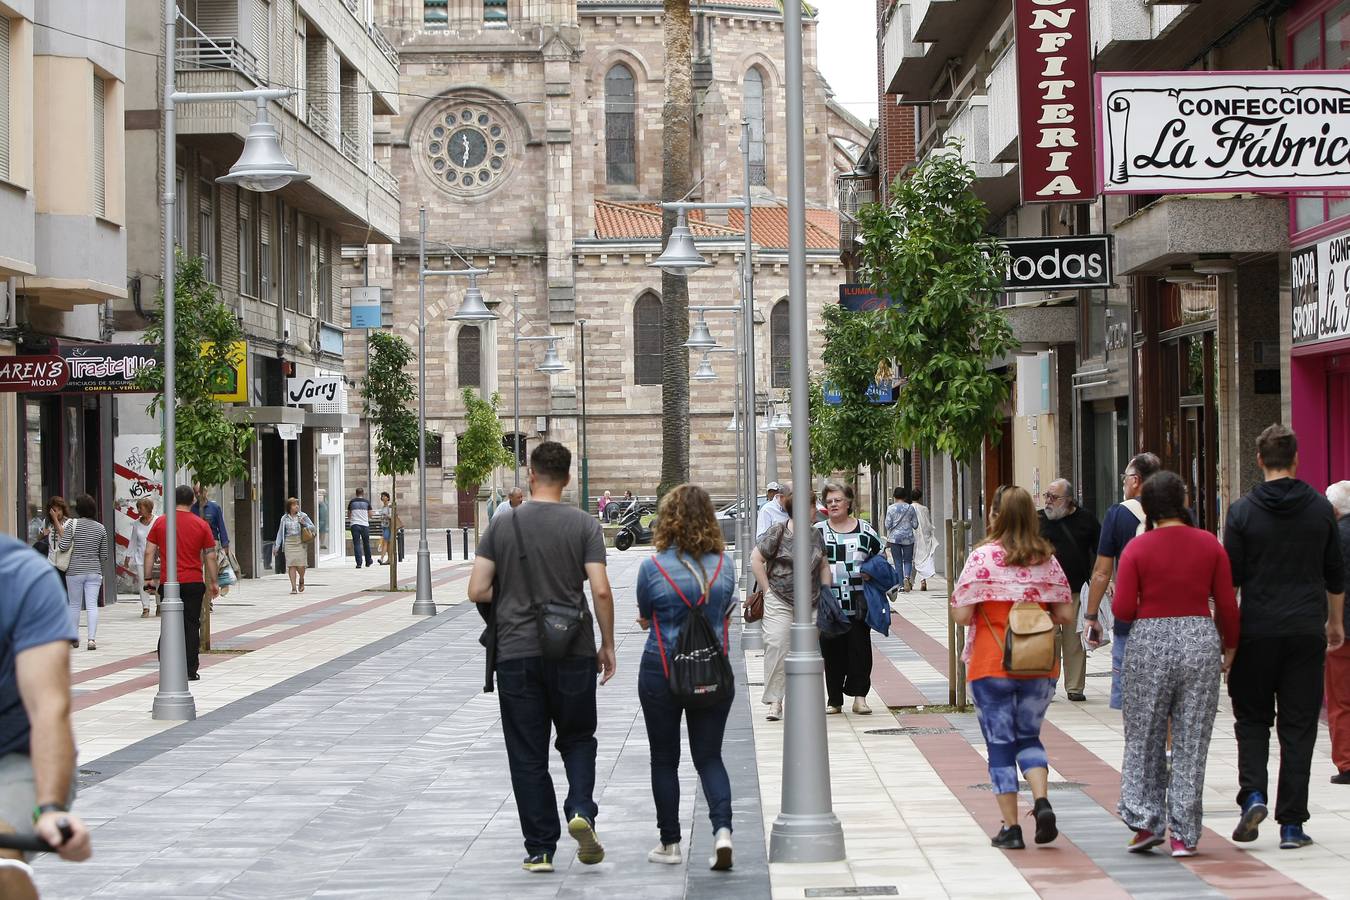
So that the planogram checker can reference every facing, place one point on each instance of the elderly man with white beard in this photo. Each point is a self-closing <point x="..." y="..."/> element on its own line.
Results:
<point x="1074" y="532"/>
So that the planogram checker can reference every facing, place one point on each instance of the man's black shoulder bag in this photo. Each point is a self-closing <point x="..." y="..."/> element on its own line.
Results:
<point x="559" y="622"/>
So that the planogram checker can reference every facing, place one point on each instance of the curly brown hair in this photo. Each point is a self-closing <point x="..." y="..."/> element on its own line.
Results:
<point x="686" y="521"/>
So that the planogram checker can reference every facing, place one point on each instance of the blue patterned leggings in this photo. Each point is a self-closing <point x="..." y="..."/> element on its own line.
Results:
<point x="1010" y="711"/>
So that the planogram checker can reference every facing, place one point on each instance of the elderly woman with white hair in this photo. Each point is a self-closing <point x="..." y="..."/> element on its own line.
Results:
<point x="1338" y="661"/>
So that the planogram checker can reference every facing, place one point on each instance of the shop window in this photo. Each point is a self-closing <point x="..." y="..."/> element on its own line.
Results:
<point x="754" y="114"/>
<point x="1321" y="42"/>
<point x="647" y="340"/>
<point x="468" y="352"/>
<point x="780" y="345"/>
<point x="620" y="126"/>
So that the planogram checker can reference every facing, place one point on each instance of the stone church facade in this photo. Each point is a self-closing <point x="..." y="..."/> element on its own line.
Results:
<point x="530" y="130"/>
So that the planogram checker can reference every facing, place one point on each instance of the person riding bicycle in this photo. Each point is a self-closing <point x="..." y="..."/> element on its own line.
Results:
<point x="37" y="746"/>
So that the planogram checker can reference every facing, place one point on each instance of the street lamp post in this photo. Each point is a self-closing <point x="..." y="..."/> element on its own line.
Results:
<point x="806" y="829"/>
<point x="550" y="366"/>
<point x="584" y="464"/>
<point x="261" y="167"/>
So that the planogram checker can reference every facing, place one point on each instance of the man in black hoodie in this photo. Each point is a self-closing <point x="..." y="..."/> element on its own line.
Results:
<point x="1285" y="554"/>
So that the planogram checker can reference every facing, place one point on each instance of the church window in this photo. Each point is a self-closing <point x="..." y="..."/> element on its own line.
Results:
<point x="620" y="126"/>
<point x="780" y="344"/>
<point x="494" y="14"/>
<point x="647" y="340"/>
<point x="435" y="14"/>
<point x="754" y="114"/>
<point x="468" y="347"/>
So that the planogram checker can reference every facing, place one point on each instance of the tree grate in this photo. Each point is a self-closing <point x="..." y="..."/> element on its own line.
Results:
<point x="913" y="729"/>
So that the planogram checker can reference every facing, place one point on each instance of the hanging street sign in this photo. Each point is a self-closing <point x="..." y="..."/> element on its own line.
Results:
<point x="1058" y="263"/>
<point x="862" y="298"/>
<point x="1054" y="100"/>
<point x="1186" y="132"/>
<point x="878" y="392"/>
<point x="365" y="305"/>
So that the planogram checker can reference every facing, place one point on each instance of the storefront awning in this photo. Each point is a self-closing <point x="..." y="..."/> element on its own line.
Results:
<point x="266" y="415"/>
<point x="331" y="421"/>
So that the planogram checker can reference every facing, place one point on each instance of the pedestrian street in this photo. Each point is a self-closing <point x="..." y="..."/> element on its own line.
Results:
<point x="350" y="752"/>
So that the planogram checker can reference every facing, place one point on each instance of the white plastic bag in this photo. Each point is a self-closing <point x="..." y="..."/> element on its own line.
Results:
<point x="1105" y="621"/>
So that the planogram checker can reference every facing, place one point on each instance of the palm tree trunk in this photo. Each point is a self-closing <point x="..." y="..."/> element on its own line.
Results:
<point x="676" y="174"/>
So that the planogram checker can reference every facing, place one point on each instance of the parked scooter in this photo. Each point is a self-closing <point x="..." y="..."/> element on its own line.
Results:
<point x="631" y="530"/>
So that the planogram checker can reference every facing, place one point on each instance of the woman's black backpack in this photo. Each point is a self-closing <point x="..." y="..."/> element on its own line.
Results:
<point x="699" y="673"/>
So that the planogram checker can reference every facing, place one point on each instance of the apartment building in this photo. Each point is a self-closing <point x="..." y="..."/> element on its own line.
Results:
<point x="274" y="257"/>
<point x="1187" y="352"/>
<point x="63" y="233"/>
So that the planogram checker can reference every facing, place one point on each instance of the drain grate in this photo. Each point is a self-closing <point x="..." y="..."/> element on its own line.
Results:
<point x="912" y="729"/>
<point x="870" y="890"/>
<point x="1023" y="786"/>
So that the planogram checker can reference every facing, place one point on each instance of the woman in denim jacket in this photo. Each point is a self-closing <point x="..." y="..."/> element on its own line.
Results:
<point x="689" y="561"/>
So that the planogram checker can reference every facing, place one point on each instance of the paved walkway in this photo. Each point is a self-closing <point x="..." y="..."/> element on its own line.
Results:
<point x="350" y="752"/>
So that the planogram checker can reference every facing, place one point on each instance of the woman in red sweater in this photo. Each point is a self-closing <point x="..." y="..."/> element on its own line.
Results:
<point x="1172" y="665"/>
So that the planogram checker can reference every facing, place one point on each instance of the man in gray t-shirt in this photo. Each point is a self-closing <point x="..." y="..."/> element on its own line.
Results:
<point x="564" y="550"/>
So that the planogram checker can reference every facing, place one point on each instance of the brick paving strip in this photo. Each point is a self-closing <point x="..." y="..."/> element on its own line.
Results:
<point x="1220" y="870"/>
<point x="318" y="615"/>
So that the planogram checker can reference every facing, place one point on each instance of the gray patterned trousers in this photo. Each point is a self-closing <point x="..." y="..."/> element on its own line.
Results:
<point x="1172" y="669"/>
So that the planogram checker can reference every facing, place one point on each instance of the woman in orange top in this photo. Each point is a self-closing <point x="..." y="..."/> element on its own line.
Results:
<point x="1013" y="564"/>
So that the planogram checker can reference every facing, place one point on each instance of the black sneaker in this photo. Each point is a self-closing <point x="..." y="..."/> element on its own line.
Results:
<point x="1009" y="837"/>
<point x="589" y="849"/>
<point x="540" y="862"/>
<point x="1046" y="830"/>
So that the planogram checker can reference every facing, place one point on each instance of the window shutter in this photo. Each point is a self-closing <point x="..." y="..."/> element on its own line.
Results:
<point x="97" y="139"/>
<point x="4" y="97"/>
<point x="261" y="14"/>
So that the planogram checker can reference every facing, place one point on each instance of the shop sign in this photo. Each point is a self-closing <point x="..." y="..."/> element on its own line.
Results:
<point x="233" y="387"/>
<point x="1058" y="263"/>
<point x="1184" y="132"/>
<point x="313" y="389"/>
<point x="365" y="304"/>
<point x="862" y="298"/>
<point x="1320" y="288"/>
<point x="1054" y="97"/>
<point x="79" y="369"/>
<point x="878" y="392"/>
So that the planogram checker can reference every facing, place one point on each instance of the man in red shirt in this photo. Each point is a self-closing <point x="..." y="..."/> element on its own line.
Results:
<point x="196" y="568"/>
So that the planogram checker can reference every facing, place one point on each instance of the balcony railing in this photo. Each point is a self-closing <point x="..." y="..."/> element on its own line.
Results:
<point x="351" y="148"/>
<point x="226" y="53"/>
<point x="382" y="42"/>
<point x="352" y="7"/>
<point x="383" y="177"/>
<point x="317" y="119"/>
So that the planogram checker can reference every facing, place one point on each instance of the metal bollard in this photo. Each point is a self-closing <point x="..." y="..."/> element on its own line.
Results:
<point x="449" y="547"/>
<point x="466" y="542"/>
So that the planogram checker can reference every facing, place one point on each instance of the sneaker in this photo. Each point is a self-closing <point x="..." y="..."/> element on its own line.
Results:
<point x="91" y="646"/>
<point x="1341" y="777"/>
<point x="1293" y="836"/>
<point x="1009" y="837"/>
<point x="589" y="849"/>
<point x="1046" y="830"/>
<point x="860" y="707"/>
<point x="1254" y="812"/>
<point x="834" y="710"/>
<point x="75" y="644"/>
<point x="721" y="858"/>
<point x="1143" y="841"/>
<point x="923" y="585"/>
<point x="1179" y="849"/>
<point x="775" y="711"/>
<point x="145" y="612"/>
<point x="666" y="855"/>
<point x="539" y="862"/>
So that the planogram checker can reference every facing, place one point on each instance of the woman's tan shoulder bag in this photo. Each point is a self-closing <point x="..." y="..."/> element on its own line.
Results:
<point x="1029" y="640"/>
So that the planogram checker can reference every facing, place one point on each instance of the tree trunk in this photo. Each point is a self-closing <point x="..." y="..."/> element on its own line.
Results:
<point x="391" y="545"/>
<point x="676" y="174"/>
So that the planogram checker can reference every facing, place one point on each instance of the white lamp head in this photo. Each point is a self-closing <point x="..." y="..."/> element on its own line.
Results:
<point x="680" y="256"/>
<point x="552" y="365"/>
<point x="263" y="165"/>
<point x="705" y="370"/>
<point x="700" y="338"/>
<point x="472" y="308"/>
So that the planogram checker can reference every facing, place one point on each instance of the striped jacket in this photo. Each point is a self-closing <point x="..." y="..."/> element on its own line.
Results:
<point x="91" y="547"/>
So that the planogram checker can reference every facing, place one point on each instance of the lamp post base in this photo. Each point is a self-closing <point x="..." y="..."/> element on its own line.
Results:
<point x="173" y="702"/>
<point x="424" y="605"/>
<point x="752" y="636"/>
<point x="806" y="839"/>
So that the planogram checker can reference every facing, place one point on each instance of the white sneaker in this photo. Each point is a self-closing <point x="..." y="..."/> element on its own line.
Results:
<point x="775" y="711"/>
<point x="721" y="859"/>
<point x="860" y="707"/>
<point x="666" y="855"/>
<point x="833" y="710"/>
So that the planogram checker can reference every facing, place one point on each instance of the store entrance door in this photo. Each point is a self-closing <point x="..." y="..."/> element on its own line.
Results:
<point x="1338" y="413"/>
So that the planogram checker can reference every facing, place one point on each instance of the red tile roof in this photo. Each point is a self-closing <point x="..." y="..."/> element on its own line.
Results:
<point x="769" y="225"/>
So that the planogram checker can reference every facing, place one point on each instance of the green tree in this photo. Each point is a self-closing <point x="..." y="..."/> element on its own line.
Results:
<point x="206" y="330"/>
<point x="387" y="388"/>
<point x="480" y="448"/>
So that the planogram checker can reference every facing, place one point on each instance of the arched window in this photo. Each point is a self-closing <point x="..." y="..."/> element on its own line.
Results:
<point x="620" y="126"/>
<point x="469" y="347"/>
<point x="647" y="340"/>
<point x="754" y="112"/>
<point x="780" y="345"/>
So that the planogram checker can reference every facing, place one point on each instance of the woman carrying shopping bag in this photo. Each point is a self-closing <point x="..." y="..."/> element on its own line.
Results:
<point x="294" y="533"/>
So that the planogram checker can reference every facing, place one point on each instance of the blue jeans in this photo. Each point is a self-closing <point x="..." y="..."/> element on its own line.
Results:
<point x="537" y="696"/>
<point x="82" y="593"/>
<point x="361" y="544"/>
<point x="902" y="557"/>
<point x="1010" y="711"/>
<point x="706" y="726"/>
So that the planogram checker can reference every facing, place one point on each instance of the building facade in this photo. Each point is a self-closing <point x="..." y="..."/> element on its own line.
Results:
<point x="531" y="133"/>
<point x="62" y="244"/>
<point x="275" y="258"/>
<point x="1190" y="352"/>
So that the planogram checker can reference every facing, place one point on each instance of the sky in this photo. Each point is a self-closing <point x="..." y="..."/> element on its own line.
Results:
<point x="847" y="53"/>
